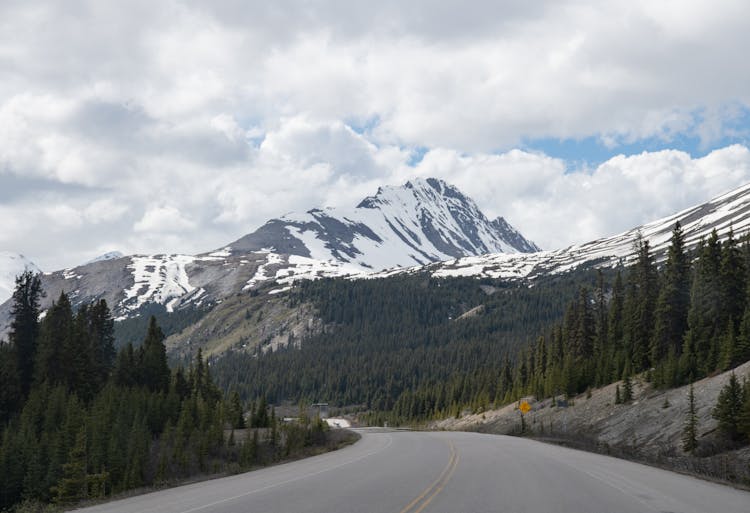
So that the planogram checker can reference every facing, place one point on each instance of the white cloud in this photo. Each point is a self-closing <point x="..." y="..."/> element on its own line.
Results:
<point x="178" y="126"/>
<point x="556" y="207"/>
<point x="163" y="219"/>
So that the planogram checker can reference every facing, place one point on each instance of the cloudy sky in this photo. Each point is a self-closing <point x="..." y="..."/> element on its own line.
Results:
<point x="146" y="126"/>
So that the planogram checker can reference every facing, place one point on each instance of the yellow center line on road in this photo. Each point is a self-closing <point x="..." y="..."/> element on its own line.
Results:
<point x="422" y="500"/>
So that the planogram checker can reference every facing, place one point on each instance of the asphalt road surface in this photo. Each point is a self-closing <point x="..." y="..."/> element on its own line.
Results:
<point x="413" y="472"/>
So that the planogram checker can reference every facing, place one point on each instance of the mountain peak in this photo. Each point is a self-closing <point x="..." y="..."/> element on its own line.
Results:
<point x="110" y="255"/>
<point x="425" y="220"/>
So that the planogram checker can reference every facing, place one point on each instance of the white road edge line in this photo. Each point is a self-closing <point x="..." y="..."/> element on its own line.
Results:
<point x="268" y="487"/>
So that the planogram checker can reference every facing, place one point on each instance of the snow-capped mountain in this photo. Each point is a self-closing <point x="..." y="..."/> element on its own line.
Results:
<point x="421" y="222"/>
<point x="728" y="211"/>
<point x="11" y="265"/>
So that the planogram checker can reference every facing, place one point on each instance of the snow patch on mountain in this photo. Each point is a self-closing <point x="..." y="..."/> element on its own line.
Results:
<point x="12" y="265"/>
<point x="160" y="279"/>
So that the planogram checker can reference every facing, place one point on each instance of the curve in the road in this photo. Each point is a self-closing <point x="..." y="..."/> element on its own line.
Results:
<point x="446" y="472"/>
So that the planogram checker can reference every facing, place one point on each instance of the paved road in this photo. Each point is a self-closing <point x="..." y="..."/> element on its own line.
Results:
<point x="411" y="472"/>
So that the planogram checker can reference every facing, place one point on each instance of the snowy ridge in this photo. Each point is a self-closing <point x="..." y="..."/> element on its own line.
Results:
<point x="11" y="265"/>
<point x="110" y="255"/>
<point x="728" y="211"/>
<point x="423" y="221"/>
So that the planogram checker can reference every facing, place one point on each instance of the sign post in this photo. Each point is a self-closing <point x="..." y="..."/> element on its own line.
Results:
<point x="524" y="408"/>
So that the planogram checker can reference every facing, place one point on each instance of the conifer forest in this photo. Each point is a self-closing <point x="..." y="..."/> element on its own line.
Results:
<point x="81" y="421"/>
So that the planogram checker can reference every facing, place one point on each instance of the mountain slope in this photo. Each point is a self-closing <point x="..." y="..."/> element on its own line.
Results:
<point x="728" y="211"/>
<point x="421" y="222"/>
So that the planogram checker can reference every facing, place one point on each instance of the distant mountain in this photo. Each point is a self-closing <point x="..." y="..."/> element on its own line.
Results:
<point x="11" y="265"/>
<point x="421" y="222"/>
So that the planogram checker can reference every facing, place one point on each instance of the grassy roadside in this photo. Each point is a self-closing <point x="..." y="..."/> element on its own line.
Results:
<point x="335" y="439"/>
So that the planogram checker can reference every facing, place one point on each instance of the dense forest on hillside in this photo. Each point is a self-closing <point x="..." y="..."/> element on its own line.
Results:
<point x="401" y="348"/>
<point x="388" y="337"/>
<point x="80" y="421"/>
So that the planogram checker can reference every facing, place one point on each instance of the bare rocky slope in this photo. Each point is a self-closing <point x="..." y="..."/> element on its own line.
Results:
<point x="648" y="429"/>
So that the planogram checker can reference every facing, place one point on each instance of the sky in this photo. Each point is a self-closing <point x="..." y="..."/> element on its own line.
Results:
<point x="168" y="126"/>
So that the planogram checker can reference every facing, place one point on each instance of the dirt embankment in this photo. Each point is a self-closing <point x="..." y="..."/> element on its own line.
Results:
<point x="648" y="429"/>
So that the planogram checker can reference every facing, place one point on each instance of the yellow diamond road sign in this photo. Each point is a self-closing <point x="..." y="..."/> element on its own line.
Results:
<point x="524" y="407"/>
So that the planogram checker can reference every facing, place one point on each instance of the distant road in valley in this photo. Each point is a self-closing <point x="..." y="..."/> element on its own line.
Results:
<point x="446" y="472"/>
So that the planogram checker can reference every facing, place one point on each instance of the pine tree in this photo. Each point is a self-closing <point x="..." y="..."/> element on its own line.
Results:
<point x="10" y="388"/>
<point x="690" y="428"/>
<point x="732" y="279"/>
<point x="627" y="389"/>
<point x="236" y="411"/>
<point x="102" y="339"/>
<point x="706" y="316"/>
<point x="153" y="359"/>
<point x="744" y="421"/>
<point x="126" y="371"/>
<point x="729" y="352"/>
<point x="72" y="487"/>
<point x="24" y="326"/>
<point x="260" y="417"/>
<point x="673" y="302"/>
<point x="640" y="308"/>
<point x="53" y="360"/>
<point x="729" y="408"/>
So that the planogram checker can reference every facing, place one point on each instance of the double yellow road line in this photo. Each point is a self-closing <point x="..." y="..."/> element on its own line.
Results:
<point x="420" y="502"/>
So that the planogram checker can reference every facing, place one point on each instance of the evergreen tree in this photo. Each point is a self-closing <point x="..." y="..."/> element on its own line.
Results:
<point x="153" y="359"/>
<point x="627" y="389"/>
<point x="729" y="408"/>
<point x="744" y="421"/>
<point x="690" y="428"/>
<point x="10" y="387"/>
<point x="732" y="280"/>
<point x="102" y="338"/>
<point x="674" y="300"/>
<point x="236" y="411"/>
<point x="72" y="487"/>
<point x="260" y="417"/>
<point x="126" y="371"/>
<point x="180" y="384"/>
<point x="641" y="305"/>
<point x="615" y="329"/>
<point x="24" y="326"/>
<point x="81" y="376"/>
<point x="706" y="316"/>
<point x="53" y="360"/>
<point x="729" y="351"/>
